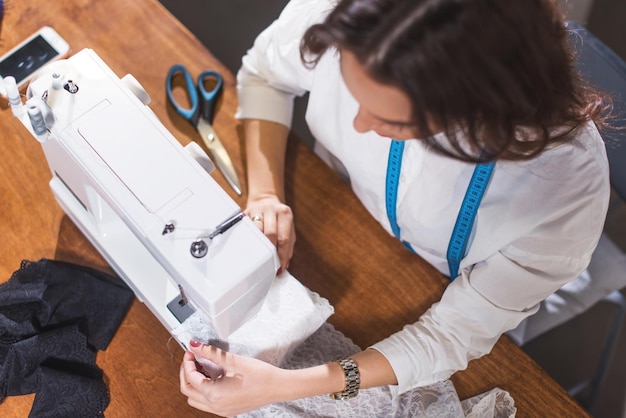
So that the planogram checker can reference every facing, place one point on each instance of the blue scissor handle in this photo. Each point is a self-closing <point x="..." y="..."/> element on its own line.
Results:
<point x="193" y="113"/>
<point x="210" y="97"/>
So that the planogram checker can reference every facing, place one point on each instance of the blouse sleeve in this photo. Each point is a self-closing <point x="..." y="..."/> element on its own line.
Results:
<point x="462" y="326"/>
<point x="272" y="73"/>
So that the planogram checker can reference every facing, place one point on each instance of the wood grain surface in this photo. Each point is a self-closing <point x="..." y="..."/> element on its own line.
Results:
<point x="375" y="285"/>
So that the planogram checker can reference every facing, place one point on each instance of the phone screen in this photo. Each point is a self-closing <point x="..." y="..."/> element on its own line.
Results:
<point x="29" y="58"/>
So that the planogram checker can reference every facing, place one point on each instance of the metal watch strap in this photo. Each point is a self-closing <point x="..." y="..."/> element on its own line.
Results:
<point x="353" y="380"/>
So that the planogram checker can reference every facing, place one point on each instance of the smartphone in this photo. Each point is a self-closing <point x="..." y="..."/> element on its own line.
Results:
<point x="42" y="47"/>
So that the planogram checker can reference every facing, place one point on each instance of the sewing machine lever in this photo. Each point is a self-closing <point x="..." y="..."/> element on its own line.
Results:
<point x="227" y="224"/>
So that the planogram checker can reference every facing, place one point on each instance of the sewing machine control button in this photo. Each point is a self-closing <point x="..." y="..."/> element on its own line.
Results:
<point x="169" y="228"/>
<point x="199" y="248"/>
<point x="57" y="81"/>
<point x="183" y="299"/>
<point x="201" y="157"/>
<point x="136" y="88"/>
<point x="71" y="87"/>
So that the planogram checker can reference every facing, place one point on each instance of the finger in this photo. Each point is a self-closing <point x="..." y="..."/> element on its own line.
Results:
<point x="192" y="393"/>
<point x="190" y="372"/>
<point x="208" y="368"/>
<point x="269" y="228"/>
<point x="185" y="386"/>
<point x="187" y="365"/>
<point x="208" y="352"/>
<point x="286" y="237"/>
<point x="258" y="220"/>
<point x="285" y="251"/>
<point x="256" y="216"/>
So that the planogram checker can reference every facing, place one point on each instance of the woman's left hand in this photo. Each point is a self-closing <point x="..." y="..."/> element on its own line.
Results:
<point x="247" y="383"/>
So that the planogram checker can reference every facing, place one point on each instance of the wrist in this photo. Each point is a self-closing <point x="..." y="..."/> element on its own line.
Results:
<point x="256" y="195"/>
<point x="266" y="198"/>
<point x="313" y="381"/>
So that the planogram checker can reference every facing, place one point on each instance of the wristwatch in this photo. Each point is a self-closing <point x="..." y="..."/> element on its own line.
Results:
<point x="353" y="380"/>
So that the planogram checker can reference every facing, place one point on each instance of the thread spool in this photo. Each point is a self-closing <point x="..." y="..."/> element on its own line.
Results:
<point x="13" y="95"/>
<point x="37" y="122"/>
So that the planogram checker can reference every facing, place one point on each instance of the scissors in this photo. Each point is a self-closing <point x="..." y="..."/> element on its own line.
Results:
<point x="201" y="113"/>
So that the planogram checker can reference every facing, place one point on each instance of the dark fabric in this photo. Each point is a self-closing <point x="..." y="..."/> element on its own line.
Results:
<point x="54" y="316"/>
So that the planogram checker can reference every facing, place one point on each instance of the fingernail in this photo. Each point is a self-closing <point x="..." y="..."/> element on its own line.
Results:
<point x="194" y="343"/>
<point x="279" y="272"/>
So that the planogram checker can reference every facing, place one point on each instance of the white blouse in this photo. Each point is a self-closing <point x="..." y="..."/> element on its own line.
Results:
<point x="535" y="230"/>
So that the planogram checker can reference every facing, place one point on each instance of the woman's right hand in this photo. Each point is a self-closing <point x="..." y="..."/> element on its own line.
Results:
<point x="275" y="219"/>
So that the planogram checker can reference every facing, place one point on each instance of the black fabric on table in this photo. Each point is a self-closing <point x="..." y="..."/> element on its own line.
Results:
<point x="54" y="316"/>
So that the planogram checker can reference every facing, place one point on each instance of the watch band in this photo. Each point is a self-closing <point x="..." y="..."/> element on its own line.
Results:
<point x="353" y="380"/>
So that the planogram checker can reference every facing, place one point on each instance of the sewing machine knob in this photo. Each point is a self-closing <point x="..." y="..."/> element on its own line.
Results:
<point x="201" y="157"/>
<point x="137" y="89"/>
<point x="169" y="228"/>
<point x="57" y="81"/>
<point x="199" y="248"/>
<point x="71" y="86"/>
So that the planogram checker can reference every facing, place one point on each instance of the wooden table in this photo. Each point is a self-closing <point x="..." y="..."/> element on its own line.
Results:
<point x="375" y="285"/>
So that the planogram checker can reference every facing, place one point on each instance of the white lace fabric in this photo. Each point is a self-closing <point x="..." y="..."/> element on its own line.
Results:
<point x="439" y="400"/>
<point x="289" y="315"/>
<point x="291" y="331"/>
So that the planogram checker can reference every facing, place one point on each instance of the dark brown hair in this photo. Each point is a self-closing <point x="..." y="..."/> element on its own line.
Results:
<point x="496" y="75"/>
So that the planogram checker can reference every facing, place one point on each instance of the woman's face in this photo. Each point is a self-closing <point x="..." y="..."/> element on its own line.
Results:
<point x="383" y="109"/>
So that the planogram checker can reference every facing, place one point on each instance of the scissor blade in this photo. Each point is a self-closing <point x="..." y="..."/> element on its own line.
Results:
<point x="217" y="150"/>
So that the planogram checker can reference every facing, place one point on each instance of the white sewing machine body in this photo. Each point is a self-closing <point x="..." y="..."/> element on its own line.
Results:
<point x="143" y="200"/>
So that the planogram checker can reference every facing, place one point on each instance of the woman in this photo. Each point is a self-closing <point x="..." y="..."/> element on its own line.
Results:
<point x="411" y="96"/>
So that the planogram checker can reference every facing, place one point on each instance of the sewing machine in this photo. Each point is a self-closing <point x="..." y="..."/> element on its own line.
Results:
<point x="145" y="202"/>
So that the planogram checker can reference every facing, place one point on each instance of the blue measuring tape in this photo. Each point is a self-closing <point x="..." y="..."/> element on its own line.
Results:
<point x="467" y="213"/>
